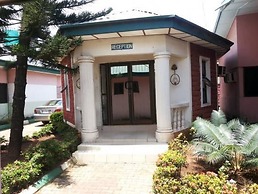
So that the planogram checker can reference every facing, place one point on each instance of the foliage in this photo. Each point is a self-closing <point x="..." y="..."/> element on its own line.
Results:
<point x="217" y="141"/>
<point x="44" y="131"/>
<point x="36" y="19"/>
<point x="3" y="140"/>
<point x="169" y="166"/>
<point x="179" y="143"/>
<point x="250" y="189"/>
<point x="18" y="175"/>
<point x="167" y="178"/>
<point x="39" y="159"/>
<point x="47" y="153"/>
<point x="57" y="120"/>
<point x="206" y="183"/>
<point x="3" y="143"/>
<point x="26" y="138"/>
<point x="36" y="44"/>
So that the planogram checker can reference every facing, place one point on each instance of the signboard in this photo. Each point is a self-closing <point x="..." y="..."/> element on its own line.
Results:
<point x="122" y="46"/>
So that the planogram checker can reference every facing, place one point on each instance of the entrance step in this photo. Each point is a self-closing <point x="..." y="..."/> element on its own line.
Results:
<point x="129" y="134"/>
<point x="140" y="153"/>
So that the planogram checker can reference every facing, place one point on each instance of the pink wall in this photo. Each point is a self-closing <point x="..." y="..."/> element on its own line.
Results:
<point x="229" y="94"/>
<point x="43" y="78"/>
<point x="33" y="77"/>
<point x="247" y="31"/>
<point x="247" y="49"/>
<point x="243" y="53"/>
<point x="3" y="77"/>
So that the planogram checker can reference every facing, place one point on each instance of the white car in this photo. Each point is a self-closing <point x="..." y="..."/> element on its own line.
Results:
<point x="42" y="113"/>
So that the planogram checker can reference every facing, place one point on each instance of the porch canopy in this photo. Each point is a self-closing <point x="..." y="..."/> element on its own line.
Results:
<point x="171" y="25"/>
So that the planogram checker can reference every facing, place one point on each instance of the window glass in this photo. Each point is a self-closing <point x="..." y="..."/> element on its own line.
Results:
<point x="205" y="81"/>
<point x="250" y="81"/>
<point x="3" y="93"/>
<point x="67" y="91"/>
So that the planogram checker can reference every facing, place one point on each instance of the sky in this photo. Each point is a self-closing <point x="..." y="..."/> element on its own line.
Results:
<point x="200" y="12"/>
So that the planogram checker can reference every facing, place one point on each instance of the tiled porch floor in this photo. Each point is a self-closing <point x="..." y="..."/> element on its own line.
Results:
<point x="129" y="134"/>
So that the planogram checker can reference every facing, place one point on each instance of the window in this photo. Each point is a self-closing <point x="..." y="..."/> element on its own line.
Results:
<point x="205" y="77"/>
<point x="118" y="88"/>
<point x="3" y="93"/>
<point x="67" y="91"/>
<point x="250" y="81"/>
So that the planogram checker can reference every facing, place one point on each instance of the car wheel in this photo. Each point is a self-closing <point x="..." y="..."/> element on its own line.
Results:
<point x="45" y="122"/>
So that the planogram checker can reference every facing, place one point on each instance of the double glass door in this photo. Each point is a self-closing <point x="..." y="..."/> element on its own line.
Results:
<point x="128" y="93"/>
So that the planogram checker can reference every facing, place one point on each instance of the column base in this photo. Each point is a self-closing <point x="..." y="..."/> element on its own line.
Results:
<point x="164" y="137"/>
<point x="89" y="137"/>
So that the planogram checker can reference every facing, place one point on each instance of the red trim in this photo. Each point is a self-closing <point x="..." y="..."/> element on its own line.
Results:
<point x="68" y="115"/>
<point x="196" y="52"/>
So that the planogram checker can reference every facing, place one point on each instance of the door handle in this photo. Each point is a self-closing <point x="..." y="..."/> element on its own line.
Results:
<point x="128" y="85"/>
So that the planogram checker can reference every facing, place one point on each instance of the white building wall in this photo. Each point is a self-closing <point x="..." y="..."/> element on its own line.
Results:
<point x="36" y="95"/>
<point x="143" y="49"/>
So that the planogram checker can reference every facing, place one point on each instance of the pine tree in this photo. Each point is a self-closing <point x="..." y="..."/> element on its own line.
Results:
<point x="36" y="44"/>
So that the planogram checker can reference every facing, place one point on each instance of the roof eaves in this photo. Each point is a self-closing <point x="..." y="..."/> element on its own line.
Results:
<point x="154" y="22"/>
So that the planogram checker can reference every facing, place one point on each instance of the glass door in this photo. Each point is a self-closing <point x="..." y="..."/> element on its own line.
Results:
<point x="120" y="92"/>
<point x="128" y="96"/>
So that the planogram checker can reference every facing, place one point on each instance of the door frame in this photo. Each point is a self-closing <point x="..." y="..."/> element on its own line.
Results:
<point x="107" y="119"/>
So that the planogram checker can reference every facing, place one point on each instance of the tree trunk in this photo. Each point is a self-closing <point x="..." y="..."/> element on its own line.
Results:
<point x="15" y="143"/>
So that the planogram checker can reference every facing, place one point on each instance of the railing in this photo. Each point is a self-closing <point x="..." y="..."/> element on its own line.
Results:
<point x="178" y="116"/>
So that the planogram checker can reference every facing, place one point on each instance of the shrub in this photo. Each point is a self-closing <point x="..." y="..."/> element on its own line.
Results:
<point x="165" y="185"/>
<point x="206" y="183"/>
<point x="217" y="141"/>
<point x="172" y="159"/>
<point x="193" y="184"/>
<point x="41" y="158"/>
<point x="179" y="143"/>
<point x="46" y="130"/>
<point x="169" y="164"/>
<point x="70" y="138"/>
<point x="48" y="153"/>
<point x="57" y="121"/>
<point x="18" y="175"/>
<point x="250" y="189"/>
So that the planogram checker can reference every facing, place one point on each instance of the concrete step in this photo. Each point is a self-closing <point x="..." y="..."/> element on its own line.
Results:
<point x="120" y="153"/>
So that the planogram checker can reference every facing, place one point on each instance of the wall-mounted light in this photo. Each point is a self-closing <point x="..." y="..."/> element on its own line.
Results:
<point x="174" y="78"/>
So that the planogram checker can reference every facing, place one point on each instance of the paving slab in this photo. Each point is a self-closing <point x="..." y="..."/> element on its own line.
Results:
<point x="103" y="178"/>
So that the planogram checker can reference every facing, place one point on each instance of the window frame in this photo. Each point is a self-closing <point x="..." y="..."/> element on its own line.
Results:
<point x="4" y="93"/>
<point x="67" y="91"/>
<point x="207" y="74"/>
<point x="250" y="81"/>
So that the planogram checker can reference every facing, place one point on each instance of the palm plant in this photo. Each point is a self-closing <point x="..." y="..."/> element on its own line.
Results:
<point x="218" y="141"/>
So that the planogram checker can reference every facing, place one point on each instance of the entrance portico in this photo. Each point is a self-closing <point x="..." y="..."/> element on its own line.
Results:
<point x="160" y="107"/>
<point x="125" y="70"/>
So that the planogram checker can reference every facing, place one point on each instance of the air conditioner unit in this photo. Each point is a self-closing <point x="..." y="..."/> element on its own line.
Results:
<point x="221" y="71"/>
<point x="230" y="77"/>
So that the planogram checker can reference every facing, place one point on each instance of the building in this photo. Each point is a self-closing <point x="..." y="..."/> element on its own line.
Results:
<point x="42" y="85"/>
<point x="156" y="71"/>
<point x="237" y="22"/>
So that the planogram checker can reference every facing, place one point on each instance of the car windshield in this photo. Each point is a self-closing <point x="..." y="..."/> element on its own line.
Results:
<point x="54" y="103"/>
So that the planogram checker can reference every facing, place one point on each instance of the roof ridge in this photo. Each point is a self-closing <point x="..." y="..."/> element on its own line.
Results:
<point x="112" y="14"/>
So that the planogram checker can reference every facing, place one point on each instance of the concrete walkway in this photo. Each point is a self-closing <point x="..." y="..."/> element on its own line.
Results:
<point x="121" y="162"/>
<point x="28" y="129"/>
<point x="103" y="178"/>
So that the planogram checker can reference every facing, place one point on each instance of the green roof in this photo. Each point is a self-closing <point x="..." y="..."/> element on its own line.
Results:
<point x="34" y="68"/>
<point x="189" y="31"/>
